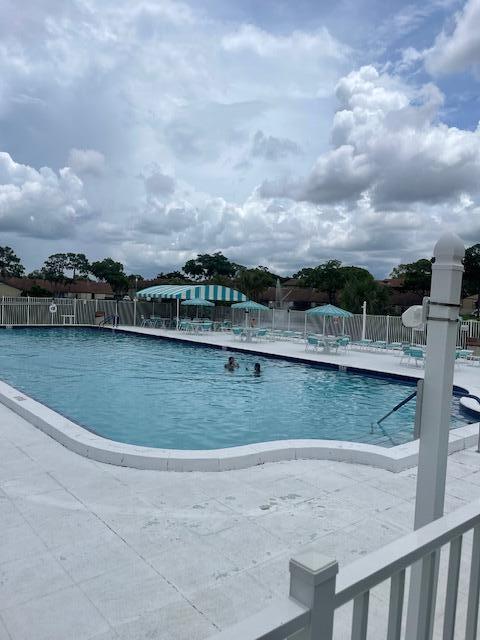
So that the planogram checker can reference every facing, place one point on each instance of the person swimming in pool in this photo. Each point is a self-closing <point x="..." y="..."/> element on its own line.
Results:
<point x="232" y="364"/>
<point x="256" y="369"/>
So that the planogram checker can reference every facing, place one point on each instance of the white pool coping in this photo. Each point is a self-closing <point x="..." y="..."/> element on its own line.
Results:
<point x="92" y="446"/>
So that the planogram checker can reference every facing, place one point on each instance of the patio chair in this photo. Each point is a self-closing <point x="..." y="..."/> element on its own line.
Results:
<point x="417" y="354"/>
<point x="405" y="354"/>
<point x="146" y="322"/>
<point x="343" y="343"/>
<point x="237" y="333"/>
<point x="312" y="343"/>
<point x="260" y="334"/>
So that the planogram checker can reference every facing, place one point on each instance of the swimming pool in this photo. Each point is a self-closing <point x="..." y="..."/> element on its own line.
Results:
<point x="161" y="393"/>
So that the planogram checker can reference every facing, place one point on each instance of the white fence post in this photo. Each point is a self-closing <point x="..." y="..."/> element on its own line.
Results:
<point x="28" y="309"/>
<point x="74" y="311"/>
<point x="442" y="323"/>
<point x="312" y="584"/>
<point x="364" y="319"/>
<point x="134" y="312"/>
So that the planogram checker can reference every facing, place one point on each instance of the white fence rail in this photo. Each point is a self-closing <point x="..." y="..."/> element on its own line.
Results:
<point x="316" y="591"/>
<point x="35" y="311"/>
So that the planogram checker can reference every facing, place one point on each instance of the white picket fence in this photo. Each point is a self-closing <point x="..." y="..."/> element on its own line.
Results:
<point x="35" y="311"/>
<point x="318" y="590"/>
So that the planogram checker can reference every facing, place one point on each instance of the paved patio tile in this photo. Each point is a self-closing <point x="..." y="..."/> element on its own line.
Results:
<point x="190" y="572"/>
<point x="247" y="544"/>
<point x="30" y="485"/>
<point x="32" y="577"/>
<point x="129" y="591"/>
<point x="228" y="603"/>
<point x="57" y="616"/>
<point x="19" y="541"/>
<point x="108" y="552"/>
<point x="4" y="635"/>
<point x="178" y="621"/>
<point x="10" y="516"/>
<point x="208" y="517"/>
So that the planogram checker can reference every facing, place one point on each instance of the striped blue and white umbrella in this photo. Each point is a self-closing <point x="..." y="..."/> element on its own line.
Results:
<point x="327" y="311"/>
<point x="197" y="302"/>
<point x="248" y="306"/>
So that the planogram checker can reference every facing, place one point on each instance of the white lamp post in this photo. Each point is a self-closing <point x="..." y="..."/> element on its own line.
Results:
<point x="442" y="319"/>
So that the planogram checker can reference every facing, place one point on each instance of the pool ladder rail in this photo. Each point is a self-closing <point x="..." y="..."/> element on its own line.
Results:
<point x="398" y="406"/>
<point x="112" y="319"/>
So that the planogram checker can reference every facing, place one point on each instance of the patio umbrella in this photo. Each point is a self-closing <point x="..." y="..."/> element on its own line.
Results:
<point x="327" y="311"/>
<point x="197" y="302"/>
<point x="248" y="306"/>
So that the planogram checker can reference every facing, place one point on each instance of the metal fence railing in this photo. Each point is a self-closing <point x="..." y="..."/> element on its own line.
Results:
<point x="36" y="311"/>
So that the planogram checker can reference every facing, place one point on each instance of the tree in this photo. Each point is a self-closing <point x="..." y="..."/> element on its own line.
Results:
<point x="206" y="266"/>
<point x="54" y="267"/>
<point x="253" y="281"/>
<point x="112" y="272"/>
<point x="78" y="264"/>
<point x="328" y="277"/>
<point x="10" y="264"/>
<point x="416" y="275"/>
<point x="471" y="277"/>
<point x="360" y="285"/>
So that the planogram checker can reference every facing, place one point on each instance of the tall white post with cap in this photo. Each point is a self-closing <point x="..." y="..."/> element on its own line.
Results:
<point x="442" y="320"/>
<point x="364" y="319"/>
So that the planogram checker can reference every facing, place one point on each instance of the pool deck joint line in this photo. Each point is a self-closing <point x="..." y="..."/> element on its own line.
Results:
<point x="395" y="459"/>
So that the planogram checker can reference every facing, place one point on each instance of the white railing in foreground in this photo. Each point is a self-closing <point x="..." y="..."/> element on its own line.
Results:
<point x="316" y="591"/>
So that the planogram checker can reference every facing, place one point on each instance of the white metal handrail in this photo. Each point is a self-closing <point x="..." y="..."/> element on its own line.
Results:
<point x="316" y="591"/>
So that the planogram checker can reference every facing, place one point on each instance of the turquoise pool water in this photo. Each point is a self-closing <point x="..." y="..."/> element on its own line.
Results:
<point x="164" y="394"/>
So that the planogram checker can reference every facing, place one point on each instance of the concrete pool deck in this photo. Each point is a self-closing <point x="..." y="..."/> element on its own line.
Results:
<point x="92" y="551"/>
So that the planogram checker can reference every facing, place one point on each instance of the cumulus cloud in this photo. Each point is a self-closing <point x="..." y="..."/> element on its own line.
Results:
<point x="272" y="148"/>
<point x="42" y="204"/>
<point x="388" y="142"/>
<point x="159" y="184"/>
<point x="248" y="37"/>
<point x="459" y="49"/>
<point x="87" y="161"/>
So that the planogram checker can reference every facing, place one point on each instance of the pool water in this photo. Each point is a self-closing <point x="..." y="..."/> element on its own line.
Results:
<point x="161" y="393"/>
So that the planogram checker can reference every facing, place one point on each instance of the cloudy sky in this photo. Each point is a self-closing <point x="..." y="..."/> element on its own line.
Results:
<point x="281" y="133"/>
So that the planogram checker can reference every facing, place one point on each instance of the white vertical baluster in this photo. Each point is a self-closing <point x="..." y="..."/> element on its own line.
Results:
<point x="397" y="588"/>
<point x="474" y="588"/>
<point x="452" y="589"/>
<point x="360" y="616"/>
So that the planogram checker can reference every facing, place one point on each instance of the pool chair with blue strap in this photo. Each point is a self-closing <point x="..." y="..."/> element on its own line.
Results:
<point x="261" y="334"/>
<point x="417" y="355"/>
<point x="312" y="343"/>
<point x="343" y="343"/>
<point x="237" y="333"/>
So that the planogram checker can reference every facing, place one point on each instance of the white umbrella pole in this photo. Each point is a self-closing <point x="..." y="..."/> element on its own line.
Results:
<point x="343" y="326"/>
<point x="288" y="321"/>
<point x="324" y="318"/>
<point x="178" y="312"/>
